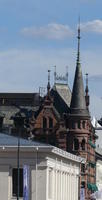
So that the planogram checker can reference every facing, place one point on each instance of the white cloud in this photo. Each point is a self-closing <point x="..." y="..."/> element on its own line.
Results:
<point x="26" y="70"/>
<point x="51" y="31"/>
<point x="92" y="26"/>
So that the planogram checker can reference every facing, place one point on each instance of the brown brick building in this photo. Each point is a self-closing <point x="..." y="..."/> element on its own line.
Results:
<point x="70" y="128"/>
<point x="60" y="119"/>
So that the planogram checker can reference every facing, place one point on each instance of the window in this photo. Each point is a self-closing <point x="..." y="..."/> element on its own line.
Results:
<point x="83" y="168"/>
<point x="83" y="184"/>
<point x="44" y="122"/>
<point x="76" y="144"/>
<point x="83" y="144"/>
<point x="15" y="182"/>
<point x="79" y="124"/>
<point x="50" y="123"/>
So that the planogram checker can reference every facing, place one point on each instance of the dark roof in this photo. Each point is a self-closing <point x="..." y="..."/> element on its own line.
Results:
<point x="22" y="99"/>
<point x="64" y="91"/>
<point x="9" y="140"/>
<point x="78" y="98"/>
<point x="17" y="95"/>
<point x="61" y="94"/>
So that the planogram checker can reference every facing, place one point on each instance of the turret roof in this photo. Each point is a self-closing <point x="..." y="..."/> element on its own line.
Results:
<point x="78" y="104"/>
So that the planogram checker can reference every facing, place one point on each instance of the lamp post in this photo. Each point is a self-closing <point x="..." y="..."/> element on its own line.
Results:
<point x="19" y="122"/>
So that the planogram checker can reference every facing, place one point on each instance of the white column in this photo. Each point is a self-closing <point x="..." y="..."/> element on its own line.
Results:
<point x="56" y="191"/>
<point x="47" y="182"/>
<point x="61" y="179"/>
<point x="61" y="183"/>
<point x="77" y="187"/>
<point x="68" y="186"/>
<point x="53" y="184"/>
<point x="58" y="185"/>
<point x="74" y="187"/>
<point x="71" y="186"/>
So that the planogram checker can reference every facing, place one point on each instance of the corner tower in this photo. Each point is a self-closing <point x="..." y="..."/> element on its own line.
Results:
<point x="78" y="104"/>
<point x="81" y="137"/>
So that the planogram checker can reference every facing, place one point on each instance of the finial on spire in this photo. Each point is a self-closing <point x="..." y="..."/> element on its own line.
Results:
<point x="78" y="54"/>
<point x="48" y="85"/>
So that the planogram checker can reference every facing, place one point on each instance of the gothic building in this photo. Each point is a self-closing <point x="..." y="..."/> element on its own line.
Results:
<point x="61" y="119"/>
<point x="70" y="128"/>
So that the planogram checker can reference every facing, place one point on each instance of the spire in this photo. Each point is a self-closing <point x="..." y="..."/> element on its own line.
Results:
<point x="78" y="104"/>
<point x="48" y="99"/>
<point x="78" y="53"/>
<point x="48" y="85"/>
<point x="86" y="92"/>
<point x="86" y="89"/>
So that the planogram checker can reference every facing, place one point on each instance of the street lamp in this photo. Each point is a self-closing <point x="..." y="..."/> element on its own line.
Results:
<point x="19" y="122"/>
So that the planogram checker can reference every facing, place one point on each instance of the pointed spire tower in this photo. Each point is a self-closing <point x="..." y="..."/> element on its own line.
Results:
<point x="78" y="104"/>
<point x="80" y="130"/>
<point x="87" y="98"/>
<point x="48" y="98"/>
<point x="48" y="85"/>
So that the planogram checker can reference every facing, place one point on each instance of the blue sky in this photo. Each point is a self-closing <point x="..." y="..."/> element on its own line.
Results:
<point x="35" y="35"/>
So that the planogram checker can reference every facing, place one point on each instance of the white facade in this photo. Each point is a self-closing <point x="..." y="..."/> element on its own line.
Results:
<point x="99" y="174"/>
<point x="54" y="174"/>
<point x="98" y="194"/>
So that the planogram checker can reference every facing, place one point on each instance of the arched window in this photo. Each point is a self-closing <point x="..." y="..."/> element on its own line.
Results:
<point x="79" y="124"/>
<point x="50" y="122"/>
<point x="44" y="122"/>
<point x="83" y="144"/>
<point x="76" y="144"/>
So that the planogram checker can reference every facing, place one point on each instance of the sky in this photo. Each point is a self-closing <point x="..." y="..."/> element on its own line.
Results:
<point x="36" y="35"/>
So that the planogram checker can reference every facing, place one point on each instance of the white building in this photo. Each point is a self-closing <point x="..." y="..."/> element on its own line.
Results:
<point x="54" y="174"/>
<point x="99" y="168"/>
